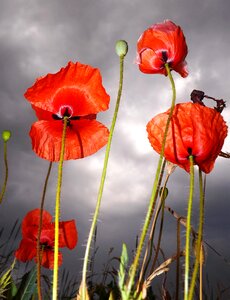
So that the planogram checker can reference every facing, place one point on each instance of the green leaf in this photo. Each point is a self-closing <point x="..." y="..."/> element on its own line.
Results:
<point x="123" y="265"/>
<point x="28" y="285"/>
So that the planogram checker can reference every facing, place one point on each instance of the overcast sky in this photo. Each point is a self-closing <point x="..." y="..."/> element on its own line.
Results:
<point x="40" y="37"/>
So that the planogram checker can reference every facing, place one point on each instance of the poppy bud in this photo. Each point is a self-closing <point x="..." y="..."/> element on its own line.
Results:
<point x="6" y="134"/>
<point x="121" y="48"/>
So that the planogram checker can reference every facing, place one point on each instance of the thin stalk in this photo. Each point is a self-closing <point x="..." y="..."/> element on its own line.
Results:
<point x="162" y="199"/>
<point x="198" y="246"/>
<point x="101" y="187"/>
<point x="39" y="234"/>
<point x="153" y="197"/>
<point x="202" y="258"/>
<point x="6" y="172"/>
<point x="201" y="277"/>
<point x="178" y="259"/>
<point x="148" y="251"/>
<point x="57" y="210"/>
<point x="188" y="228"/>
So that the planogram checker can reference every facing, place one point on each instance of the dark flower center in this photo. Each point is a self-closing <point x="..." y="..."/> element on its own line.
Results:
<point x="190" y="151"/>
<point x="65" y="112"/>
<point x="164" y="56"/>
<point x="45" y="246"/>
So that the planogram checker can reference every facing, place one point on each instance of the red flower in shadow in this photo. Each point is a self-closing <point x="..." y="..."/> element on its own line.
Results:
<point x="27" y="249"/>
<point x="76" y="92"/>
<point x="162" y="43"/>
<point x="194" y="130"/>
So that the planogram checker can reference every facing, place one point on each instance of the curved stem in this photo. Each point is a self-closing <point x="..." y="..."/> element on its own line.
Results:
<point x="153" y="197"/>
<point x="103" y="176"/>
<point x="188" y="228"/>
<point x="162" y="206"/>
<point x="57" y="211"/>
<point x="39" y="234"/>
<point x="6" y="172"/>
<point x="148" y="251"/>
<point x="198" y="245"/>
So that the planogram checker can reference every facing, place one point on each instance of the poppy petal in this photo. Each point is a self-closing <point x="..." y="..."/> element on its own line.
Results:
<point x="68" y="234"/>
<point x="30" y="222"/>
<point x="48" y="259"/>
<point x="26" y="250"/>
<point x="161" y="43"/>
<point x="76" y="86"/>
<point x="151" y="63"/>
<point x="194" y="130"/>
<point x="83" y="138"/>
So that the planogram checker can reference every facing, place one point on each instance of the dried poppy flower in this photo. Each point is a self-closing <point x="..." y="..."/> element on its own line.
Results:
<point x="160" y="44"/>
<point x="76" y="92"/>
<point x="27" y="249"/>
<point x="194" y="130"/>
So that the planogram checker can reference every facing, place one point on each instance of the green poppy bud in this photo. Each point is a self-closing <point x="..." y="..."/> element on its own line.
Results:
<point x="121" y="48"/>
<point x="6" y="134"/>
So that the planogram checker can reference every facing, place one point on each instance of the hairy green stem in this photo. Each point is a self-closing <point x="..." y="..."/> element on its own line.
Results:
<point x="153" y="197"/>
<point x="198" y="245"/>
<point x="101" y="188"/>
<point x="188" y="228"/>
<point x="57" y="211"/>
<point x="6" y="172"/>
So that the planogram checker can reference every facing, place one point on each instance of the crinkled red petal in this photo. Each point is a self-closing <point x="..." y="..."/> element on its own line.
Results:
<point x="83" y="138"/>
<point x="68" y="234"/>
<point x="26" y="250"/>
<point x="48" y="259"/>
<point x="163" y="37"/>
<point x="77" y="86"/>
<point x="194" y="129"/>
<point x="30" y="222"/>
<point x="150" y="63"/>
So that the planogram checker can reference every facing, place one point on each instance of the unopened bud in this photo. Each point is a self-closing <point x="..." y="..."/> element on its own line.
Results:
<point x="6" y="134"/>
<point x="121" y="48"/>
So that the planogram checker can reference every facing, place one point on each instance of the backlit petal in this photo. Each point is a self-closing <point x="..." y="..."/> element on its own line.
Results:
<point x="83" y="138"/>
<point x="194" y="130"/>
<point x="31" y="221"/>
<point x="68" y="234"/>
<point x="77" y="86"/>
<point x="26" y="250"/>
<point x="48" y="259"/>
<point x="161" y="43"/>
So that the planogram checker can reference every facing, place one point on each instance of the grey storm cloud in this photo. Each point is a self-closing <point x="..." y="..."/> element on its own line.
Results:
<point x="40" y="37"/>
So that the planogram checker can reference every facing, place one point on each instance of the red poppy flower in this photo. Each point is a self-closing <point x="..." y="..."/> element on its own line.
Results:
<point x="194" y="130"/>
<point x="27" y="249"/>
<point x="162" y="43"/>
<point x="76" y="92"/>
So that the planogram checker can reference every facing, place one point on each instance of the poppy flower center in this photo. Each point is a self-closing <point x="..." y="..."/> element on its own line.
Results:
<point x="45" y="246"/>
<point x="164" y="56"/>
<point x="65" y="111"/>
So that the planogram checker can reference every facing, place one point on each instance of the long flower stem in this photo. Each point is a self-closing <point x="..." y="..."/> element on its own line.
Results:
<point x="198" y="245"/>
<point x="178" y="259"/>
<point x="153" y="198"/>
<point x="57" y="211"/>
<point x="39" y="234"/>
<point x="103" y="176"/>
<point x="188" y="228"/>
<point x="6" y="172"/>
